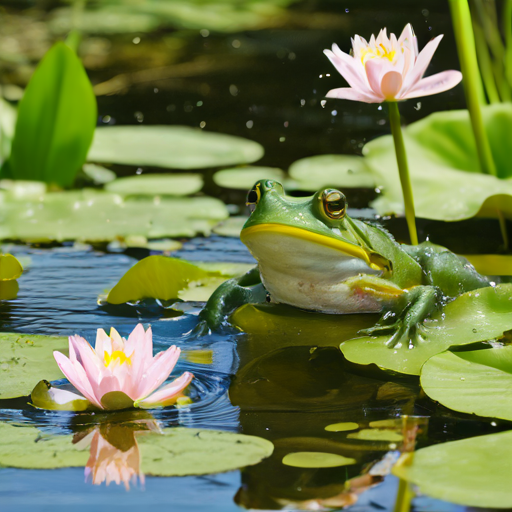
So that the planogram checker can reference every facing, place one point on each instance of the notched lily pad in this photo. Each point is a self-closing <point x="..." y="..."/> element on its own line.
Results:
<point x="171" y="147"/>
<point x="473" y="472"/>
<point x="479" y="315"/>
<point x="25" y="360"/>
<point x="474" y="382"/>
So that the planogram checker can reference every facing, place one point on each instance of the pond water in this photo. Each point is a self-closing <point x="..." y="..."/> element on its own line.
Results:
<point x="265" y="85"/>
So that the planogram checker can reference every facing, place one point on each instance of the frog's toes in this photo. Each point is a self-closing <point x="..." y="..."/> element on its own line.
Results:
<point x="379" y="329"/>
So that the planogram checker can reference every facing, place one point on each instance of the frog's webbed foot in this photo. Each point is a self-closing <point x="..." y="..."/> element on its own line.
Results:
<point x="405" y="323"/>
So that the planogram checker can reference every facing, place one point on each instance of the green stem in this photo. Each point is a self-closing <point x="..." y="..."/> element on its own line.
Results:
<point x="404" y="497"/>
<point x="507" y="31"/>
<point x="403" y="170"/>
<point x="464" y="37"/>
<point x="75" y="36"/>
<point x="484" y="60"/>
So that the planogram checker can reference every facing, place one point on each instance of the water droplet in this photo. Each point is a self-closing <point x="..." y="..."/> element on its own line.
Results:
<point x="249" y="124"/>
<point x="233" y="90"/>
<point x="236" y="43"/>
<point x="204" y="32"/>
<point x="136" y="40"/>
<point x="463" y="378"/>
<point x="202" y="124"/>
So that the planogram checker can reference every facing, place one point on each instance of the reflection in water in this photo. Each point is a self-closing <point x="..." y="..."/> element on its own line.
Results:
<point x="114" y="452"/>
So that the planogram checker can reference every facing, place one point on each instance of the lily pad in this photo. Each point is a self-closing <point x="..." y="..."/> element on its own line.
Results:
<point x="91" y="215"/>
<point x="231" y="227"/>
<point x="172" y="147"/>
<point x="473" y="472"/>
<point x="475" y="382"/>
<point x="342" y="427"/>
<point x="25" y="360"/>
<point x="373" y="434"/>
<point x="445" y="175"/>
<point x="174" y="452"/>
<point x="341" y="171"/>
<point x="475" y="316"/>
<point x="157" y="185"/>
<point x="10" y="267"/>
<point x="98" y="174"/>
<point x="316" y="460"/>
<point x="243" y="178"/>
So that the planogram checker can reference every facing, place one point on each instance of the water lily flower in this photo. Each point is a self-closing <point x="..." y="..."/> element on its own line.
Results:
<point x="389" y="69"/>
<point x="119" y="373"/>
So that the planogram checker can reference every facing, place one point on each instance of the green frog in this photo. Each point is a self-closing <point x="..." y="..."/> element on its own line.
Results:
<point x="314" y="256"/>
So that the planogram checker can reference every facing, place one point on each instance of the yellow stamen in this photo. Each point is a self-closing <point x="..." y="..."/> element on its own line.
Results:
<point x="117" y="354"/>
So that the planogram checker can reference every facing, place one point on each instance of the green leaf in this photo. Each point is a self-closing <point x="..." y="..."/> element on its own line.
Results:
<point x="97" y="174"/>
<point x="491" y="264"/>
<point x="476" y="382"/>
<point x="371" y="434"/>
<point x="342" y="427"/>
<point x="316" y="460"/>
<point x="91" y="215"/>
<point x="9" y="289"/>
<point x="56" y="121"/>
<point x="243" y="178"/>
<point x="475" y="316"/>
<point x="157" y="185"/>
<point x="186" y="451"/>
<point x="10" y="267"/>
<point x="116" y="401"/>
<point x="232" y="226"/>
<point x="473" y="472"/>
<point x="174" y="452"/>
<point x="172" y="147"/>
<point x="7" y="123"/>
<point x="43" y="397"/>
<point x="25" y="360"/>
<point x="156" y="277"/>
<point x="443" y="162"/>
<point x="340" y="171"/>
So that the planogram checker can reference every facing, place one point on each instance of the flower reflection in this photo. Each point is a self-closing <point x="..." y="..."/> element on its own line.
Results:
<point x="114" y="453"/>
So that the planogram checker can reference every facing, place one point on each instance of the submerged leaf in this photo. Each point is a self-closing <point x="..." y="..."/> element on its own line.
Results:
<point x="473" y="472"/>
<point x="444" y="166"/>
<point x="157" y="185"/>
<point x="25" y="360"/>
<point x="479" y="315"/>
<point x="172" y="147"/>
<point x="56" y="120"/>
<point x="474" y="382"/>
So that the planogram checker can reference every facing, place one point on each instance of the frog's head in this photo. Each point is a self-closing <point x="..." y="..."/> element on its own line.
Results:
<point x="307" y="231"/>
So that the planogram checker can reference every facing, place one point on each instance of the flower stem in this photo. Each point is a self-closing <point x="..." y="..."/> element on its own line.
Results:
<point x="464" y="37"/>
<point x="404" y="497"/>
<point x="403" y="170"/>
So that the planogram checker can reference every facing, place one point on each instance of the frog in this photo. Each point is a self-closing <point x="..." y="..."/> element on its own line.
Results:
<point x="313" y="256"/>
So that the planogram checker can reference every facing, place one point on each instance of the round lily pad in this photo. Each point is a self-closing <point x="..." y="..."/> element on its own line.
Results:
<point x="473" y="472"/>
<point x="479" y="315"/>
<point x="157" y="184"/>
<point x="243" y="178"/>
<point x="342" y="427"/>
<point x="172" y="147"/>
<point x="25" y="360"/>
<point x="316" y="460"/>
<point x="474" y="382"/>
<point x="373" y="434"/>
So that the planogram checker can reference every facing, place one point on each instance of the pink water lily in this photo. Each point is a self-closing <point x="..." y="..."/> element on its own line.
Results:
<point x="389" y="69"/>
<point x="119" y="373"/>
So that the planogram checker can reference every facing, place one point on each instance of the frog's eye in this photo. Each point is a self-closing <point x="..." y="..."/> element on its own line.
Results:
<point x="334" y="203"/>
<point x="253" y="197"/>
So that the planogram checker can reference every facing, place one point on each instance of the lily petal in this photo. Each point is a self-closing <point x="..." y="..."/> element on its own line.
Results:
<point x="434" y="84"/>
<point x="347" y="93"/>
<point x="103" y="343"/>
<point x="421" y="64"/>
<point x="348" y="68"/>
<point x="166" y="395"/>
<point x="391" y="84"/>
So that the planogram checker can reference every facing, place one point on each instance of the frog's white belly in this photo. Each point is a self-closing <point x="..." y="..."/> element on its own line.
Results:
<point x="309" y="275"/>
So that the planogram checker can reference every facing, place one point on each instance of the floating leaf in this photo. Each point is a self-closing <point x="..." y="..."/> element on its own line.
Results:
<point x="243" y="178"/>
<point x="341" y="171"/>
<point x="444" y="166"/>
<point x="316" y="460"/>
<point x="479" y="315"/>
<point x="56" y="120"/>
<point x="473" y="472"/>
<point x="230" y="227"/>
<point x="157" y="184"/>
<point x="91" y="215"/>
<point x="44" y="396"/>
<point x="474" y="382"/>
<point x="25" y="360"/>
<point x="175" y="452"/>
<point x="172" y="147"/>
<point x="156" y="277"/>
<point x="342" y="427"/>
<point x="10" y="267"/>
<point x="371" y="434"/>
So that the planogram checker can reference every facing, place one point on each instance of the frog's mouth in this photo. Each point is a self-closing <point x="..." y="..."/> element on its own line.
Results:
<point x="250" y="234"/>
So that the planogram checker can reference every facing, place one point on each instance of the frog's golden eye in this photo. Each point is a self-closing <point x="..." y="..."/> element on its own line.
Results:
<point x="253" y="197"/>
<point x="334" y="203"/>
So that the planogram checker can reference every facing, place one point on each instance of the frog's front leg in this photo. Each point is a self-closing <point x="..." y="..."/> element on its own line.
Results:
<point x="404" y="310"/>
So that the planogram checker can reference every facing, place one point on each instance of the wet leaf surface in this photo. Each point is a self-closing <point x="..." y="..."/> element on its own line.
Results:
<point x="157" y="185"/>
